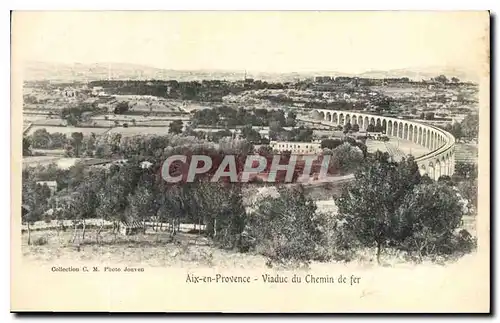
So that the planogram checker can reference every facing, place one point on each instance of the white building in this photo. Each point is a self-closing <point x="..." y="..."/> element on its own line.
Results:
<point x="296" y="147"/>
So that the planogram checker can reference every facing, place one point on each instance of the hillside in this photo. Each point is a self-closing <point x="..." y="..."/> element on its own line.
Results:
<point x="99" y="71"/>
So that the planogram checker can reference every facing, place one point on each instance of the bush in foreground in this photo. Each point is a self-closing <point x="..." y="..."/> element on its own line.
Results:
<point x="285" y="228"/>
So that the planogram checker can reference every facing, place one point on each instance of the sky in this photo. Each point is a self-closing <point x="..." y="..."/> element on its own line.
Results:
<point x="349" y="42"/>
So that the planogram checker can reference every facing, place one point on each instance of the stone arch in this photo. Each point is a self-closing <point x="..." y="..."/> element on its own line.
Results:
<point x="437" y="170"/>
<point x="411" y="133"/>
<point x="366" y="123"/>
<point x="348" y="119"/>
<point x="419" y="138"/>
<point x="389" y="128"/>
<point x="372" y="121"/>
<point x="360" y="122"/>
<point x="322" y="115"/>
<point x="400" y="130"/>
<point x="335" y="118"/>
<point x="424" y="137"/>
<point x="444" y="171"/>
<point x="423" y="171"/>
<point x="341" y="119"/>
<point x="328" y="117"/>
<point x="354" y="119"/>
<point x="431" y="171"/>
<point x="449" y="159"/>
<point x="405" y="132"/>
<point x="378" y="122"/>
<point x="395" y="129"/>
<point x="384" y="125"/>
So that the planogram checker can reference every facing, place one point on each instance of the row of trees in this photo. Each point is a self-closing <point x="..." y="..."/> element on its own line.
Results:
<point x="388" y="205"/>
<point x="207" y="90"/>
<point x="348" y="127"/>
<point x="230" y="117"/>
<point x="467" y="129"/>
<point x="75" y="115"/>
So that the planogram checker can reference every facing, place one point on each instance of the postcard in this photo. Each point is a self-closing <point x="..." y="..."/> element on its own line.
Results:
<point x="250" y="161"/>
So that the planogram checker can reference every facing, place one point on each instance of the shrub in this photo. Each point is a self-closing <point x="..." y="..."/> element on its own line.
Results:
<point x="285" y="228"/>
<point x="40" y="241"/>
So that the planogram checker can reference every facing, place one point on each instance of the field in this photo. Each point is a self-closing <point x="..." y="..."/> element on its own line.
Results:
<point x="397" y="148"/>
<point x="63" y="163"/>
<point x="43" y="120"/>
<point x="69" y="130"/>
<point x="157" y="249"/>
<point x="133" y="131"/>
<point x="466" y="153"/>
<point x="151" y="249"/>
<point x="161" y="129"/>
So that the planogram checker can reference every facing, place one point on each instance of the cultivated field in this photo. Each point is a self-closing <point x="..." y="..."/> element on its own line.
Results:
<point x="134" y="131"/>
<point x="466" y="152"/>
<point x="397" y="148"/>
<point x="63" y="163"/>
<point x="69" y="130"/>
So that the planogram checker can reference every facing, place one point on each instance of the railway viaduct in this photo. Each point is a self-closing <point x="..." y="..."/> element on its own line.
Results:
<point x="438" y="162"/>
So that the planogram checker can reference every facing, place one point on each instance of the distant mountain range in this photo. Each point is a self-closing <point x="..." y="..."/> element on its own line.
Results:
<point x="99" y="71"/>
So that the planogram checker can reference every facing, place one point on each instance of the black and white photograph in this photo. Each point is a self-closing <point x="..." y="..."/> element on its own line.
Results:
<point x="283" y="156"/>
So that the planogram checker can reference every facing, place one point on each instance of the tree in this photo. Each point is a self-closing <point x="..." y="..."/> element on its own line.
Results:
<point x="456" y="130"/>
<point x="389" y="204"/>
<point x="331" y="143"/>
<point x="143" y="204"/>
<point x="347" y="157"/>
<point x="291" y="119"/>
<point x="455" y="79"/>
<point x="284" y="227"/>
<point x="466" y="170"/>
<point x="121" y="107"/>
<point x="89" y="145"/>
<point x="175" y="127"/>
<point x="469" y="190"/>
<point x="347" y="127"/>
<point x="429" y="116"/>
<point x="35" y="200"/>
<point x="220" y="208"/>
<point x="428" y="218"/>
<point x="370" y="128"/>
<point x="26" y="146"/>
<point x="441" y="79"/>
<point x="41" y="139"/>
<point x="368" y="205"/>
<point x="355" y="127"/>
<point x="470" y="126"/>
<point x="265" y="150"/>
<point x="250" y="134"/>
<point x="379" y="128"/>
<point x="76" y="142"/>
